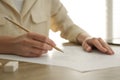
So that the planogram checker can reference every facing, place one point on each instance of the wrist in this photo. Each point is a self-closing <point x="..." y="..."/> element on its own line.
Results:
<point x="6" y="44"/>
<point x="83" y="37"/>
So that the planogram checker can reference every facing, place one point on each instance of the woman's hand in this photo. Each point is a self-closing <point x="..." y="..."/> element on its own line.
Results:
<point x="30" y="45"/>
<point x="98" y="43"/>
<point x="88" y="43"/>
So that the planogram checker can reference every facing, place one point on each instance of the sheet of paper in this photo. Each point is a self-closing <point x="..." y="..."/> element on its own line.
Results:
<point x="75" y="58"/>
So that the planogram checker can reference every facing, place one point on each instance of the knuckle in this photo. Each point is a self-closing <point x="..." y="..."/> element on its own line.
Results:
<point x="43" y="45"/>
<point x="28" y="34"/>
<point x="99" y="38"/>
<point x="50" y="47"/>
<point x="94" y="39"/>
<point x="44" y="39"/>
<point x="38" y="52"/>
<point x="24" y="41"/>
<point x="46" y="47"/>
<point x="24" y="49"/>
<point x="44" y="51"/>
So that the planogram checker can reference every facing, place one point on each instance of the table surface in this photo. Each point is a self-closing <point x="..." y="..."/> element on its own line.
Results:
<point x="32" y="71"/>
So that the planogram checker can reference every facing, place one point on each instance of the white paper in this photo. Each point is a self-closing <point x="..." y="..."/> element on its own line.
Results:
<point x="76" y="58"/>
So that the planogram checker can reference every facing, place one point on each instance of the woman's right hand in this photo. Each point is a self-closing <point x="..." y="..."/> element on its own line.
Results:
<point x="31" y="45"/>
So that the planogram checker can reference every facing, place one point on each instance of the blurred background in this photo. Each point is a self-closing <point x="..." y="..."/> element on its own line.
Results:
<point x="100" y="18"/>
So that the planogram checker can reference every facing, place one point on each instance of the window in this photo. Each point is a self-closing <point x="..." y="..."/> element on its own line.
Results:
<point x="116" y="18"/>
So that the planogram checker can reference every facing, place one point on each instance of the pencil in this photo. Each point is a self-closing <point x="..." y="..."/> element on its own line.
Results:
<point x="26" y="30"/>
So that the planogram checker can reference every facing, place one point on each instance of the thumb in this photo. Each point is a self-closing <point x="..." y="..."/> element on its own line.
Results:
<point x="86" y="46"/>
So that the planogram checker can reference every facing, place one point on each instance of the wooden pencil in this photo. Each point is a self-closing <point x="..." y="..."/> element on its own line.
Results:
<point x="26" y="30"/>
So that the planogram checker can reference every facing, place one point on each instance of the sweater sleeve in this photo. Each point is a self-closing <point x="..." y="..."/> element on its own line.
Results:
<point x="62" y="22"/>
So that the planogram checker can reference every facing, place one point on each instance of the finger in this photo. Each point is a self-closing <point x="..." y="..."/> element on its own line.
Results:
<point x="95" y="42"/>
<point x="105" y="45"/>
<point x="41" y="38"/>
<point x="86" y="46"/>
<point x="45" y="51"/>
<point x="37" y="44"/>
<point x="30" y="55"/>
<point x="41" y="45"/>
<point x="36" y="52"/>
<point x="27" y="54"/>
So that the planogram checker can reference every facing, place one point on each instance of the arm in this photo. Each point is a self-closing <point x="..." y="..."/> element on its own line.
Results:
<point x="5" y="44"/>
<point x="73" y="33"/>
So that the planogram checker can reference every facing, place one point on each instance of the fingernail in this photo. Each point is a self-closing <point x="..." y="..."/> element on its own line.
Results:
<point x="88" y="48"/>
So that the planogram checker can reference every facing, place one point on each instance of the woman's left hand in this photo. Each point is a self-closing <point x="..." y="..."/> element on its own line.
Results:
<point x="89" y="43"/>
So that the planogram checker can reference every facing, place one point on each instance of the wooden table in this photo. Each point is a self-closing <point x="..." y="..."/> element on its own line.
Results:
<point x="32" y="71"/>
